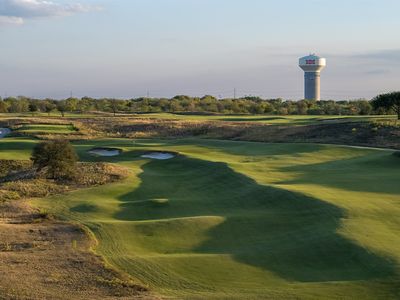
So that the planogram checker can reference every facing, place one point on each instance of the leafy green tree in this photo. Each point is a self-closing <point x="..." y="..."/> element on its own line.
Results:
<point x="364" y="107"/>
<point x="302" y="107"/>
<point x="175" y="106"/>
<point x="62" y="107"/>
<point x="71" y="104"/>
<point x="3" y="107"/>
<point x="49" y="106"/>
<point x="390" y="101"/>
<point x="181" y="97"/>
<point x="183" y="103"/>
<point x="102" y="105"/>
<point x="16" y="105"/>
<point x="58" y="158"/>
<point x="85" y="104"/>
<point x="116" y="105"/>
<point x="33" y="108"/>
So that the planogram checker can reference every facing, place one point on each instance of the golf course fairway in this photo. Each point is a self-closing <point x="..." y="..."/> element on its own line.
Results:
<point x="241" y="220"/>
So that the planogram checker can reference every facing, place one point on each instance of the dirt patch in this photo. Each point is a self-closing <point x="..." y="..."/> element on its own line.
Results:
<point x="48" y="259"/>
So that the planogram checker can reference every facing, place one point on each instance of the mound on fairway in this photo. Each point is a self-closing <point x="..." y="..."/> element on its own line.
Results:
<point x="240" y="220"/>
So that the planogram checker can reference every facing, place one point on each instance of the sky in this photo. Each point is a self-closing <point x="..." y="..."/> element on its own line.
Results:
<point x="162" y="48"/>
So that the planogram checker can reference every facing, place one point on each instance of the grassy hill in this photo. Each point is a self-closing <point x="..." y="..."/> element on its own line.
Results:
<point x="245" y="220"/>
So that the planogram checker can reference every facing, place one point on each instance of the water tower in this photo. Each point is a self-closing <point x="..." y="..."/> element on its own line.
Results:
<point x="312" y="66"/>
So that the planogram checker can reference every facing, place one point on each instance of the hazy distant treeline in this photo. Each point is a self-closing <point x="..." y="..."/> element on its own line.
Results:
<point x="206" y="104"/>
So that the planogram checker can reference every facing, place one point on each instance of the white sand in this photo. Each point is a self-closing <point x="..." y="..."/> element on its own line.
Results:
<point x="105" y="152"/>
<point x="4" y="132"/>
<point x="158" y="155"/>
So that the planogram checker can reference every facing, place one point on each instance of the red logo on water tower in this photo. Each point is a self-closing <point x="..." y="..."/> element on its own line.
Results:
<point x="310" y="62"/>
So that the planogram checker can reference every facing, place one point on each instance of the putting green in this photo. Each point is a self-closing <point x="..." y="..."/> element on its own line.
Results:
<point x="245" y="220"/>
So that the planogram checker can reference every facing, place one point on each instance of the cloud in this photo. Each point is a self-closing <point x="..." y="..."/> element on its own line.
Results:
<point x="6" y="20"/>
<point x="378" y="72"/>
<point x="383" y="56"/>
<point x="17" y="11"/>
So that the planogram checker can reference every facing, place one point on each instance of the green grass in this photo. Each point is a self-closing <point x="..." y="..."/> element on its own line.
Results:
<point x="47" y="128"/>
<point x="269" y="119"/>
<point x="265" y="119"/>
<point x="245" y="220"/>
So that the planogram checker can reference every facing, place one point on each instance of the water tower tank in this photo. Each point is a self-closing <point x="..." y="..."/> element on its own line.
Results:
<point x="312" y="66"/>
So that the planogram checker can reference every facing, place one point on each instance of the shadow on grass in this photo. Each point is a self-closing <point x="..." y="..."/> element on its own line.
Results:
<point x="374" y="173"/>
<point x="10" y="144"/>
<point x="287" y="233"/>
<point x="84" y="208"/>
<point x="259" y="149"/>
<point x="249" y="119"/>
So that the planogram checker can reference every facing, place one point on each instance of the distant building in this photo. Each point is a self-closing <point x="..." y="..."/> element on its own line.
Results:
<point x="312" y="66"/>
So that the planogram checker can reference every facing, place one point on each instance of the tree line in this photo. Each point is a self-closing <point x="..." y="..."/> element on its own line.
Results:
<point x="187" y="104"/>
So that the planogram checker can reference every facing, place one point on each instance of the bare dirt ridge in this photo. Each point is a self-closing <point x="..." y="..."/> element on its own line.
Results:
<point x="41" y="258"/>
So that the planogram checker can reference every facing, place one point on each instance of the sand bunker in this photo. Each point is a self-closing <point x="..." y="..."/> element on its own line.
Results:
<point x="4" y="132"/>
<point x="159" y="155"/>
<point x="105" y="152"/>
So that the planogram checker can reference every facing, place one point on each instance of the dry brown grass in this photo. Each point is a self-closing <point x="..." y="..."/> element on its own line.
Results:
<point x="380" y="133"/>
<point x="21" y="181"/>
<point x="52" y="260"/>
<point x="9" y="167"/>
<point x="42" y="258"/>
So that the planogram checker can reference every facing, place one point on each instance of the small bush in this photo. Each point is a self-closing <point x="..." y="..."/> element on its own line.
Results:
<point x="8" y="195"/>
<point x="57" y="157"/>
<point x="8" y="167"/>
<point x="98" y="173"/>
<point x="44" y="214"/>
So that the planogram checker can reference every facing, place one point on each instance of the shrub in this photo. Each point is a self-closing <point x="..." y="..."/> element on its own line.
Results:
<point x="44" y="214"/>
<point x="8" y="195"/>
<point x="98" y="173"/>
<point x="58" y="157"/>
<point x="8" y="167"/>
<point x="32" y="188"/>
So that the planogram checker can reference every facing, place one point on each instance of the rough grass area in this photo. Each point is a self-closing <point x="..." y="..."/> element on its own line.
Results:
<point x="41" y="258"/>
<point x="9" y="167"/>
<point x="241" y="220"/>
<point x="373" y="131"/>
<point x="359" y="131"/>
<point x="32" y="188"/>
<point x="20" y="180"/>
